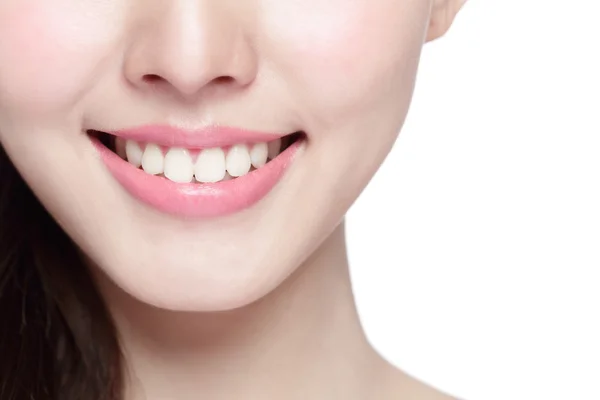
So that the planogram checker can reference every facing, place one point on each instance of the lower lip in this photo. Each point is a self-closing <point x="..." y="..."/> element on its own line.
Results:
<point x="198" y="200"/>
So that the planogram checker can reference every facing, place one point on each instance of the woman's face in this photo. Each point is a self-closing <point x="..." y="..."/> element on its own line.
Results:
<point x="341" y="71"/>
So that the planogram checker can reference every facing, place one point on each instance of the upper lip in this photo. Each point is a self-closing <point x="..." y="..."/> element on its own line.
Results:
<point x="206" y="137"/>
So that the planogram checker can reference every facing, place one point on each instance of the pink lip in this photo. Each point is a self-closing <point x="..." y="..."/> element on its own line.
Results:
<point x="198" y="200"/>
<point x="212" y="136"/>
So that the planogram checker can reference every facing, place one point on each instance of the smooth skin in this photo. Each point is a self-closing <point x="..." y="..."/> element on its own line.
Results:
<point x="256" y="305"/>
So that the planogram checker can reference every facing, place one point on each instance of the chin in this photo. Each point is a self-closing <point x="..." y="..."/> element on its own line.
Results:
<point x="189" y="284"/>
<point x="198" y="269"/>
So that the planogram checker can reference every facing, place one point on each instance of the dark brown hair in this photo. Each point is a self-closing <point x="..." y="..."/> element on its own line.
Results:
<point x="57" y="340"/>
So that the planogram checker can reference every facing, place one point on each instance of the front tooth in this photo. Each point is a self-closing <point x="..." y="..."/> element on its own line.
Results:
<point x="238" y="160"/>
<point x="178" y="166"/>
<point x="259" y="154"/>
<point x="153" y="161"/>
<point x="274" y="148"/>
<point x="134" y="153"/>
<point x="210" y="165"/>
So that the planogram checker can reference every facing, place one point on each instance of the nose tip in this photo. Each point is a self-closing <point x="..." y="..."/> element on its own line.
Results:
<point x="184" y="52"/>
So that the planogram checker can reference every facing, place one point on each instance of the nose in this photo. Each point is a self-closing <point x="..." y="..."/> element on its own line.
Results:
<point x="185" y="46"/>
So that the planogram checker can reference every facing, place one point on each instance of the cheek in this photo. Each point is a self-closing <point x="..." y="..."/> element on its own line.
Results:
<point x="53" y="51"/>
<point x="345" y="55"/>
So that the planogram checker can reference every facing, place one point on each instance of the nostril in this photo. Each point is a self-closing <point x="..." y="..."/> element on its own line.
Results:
<point x="224" y="79"/>
<point x="152" y="78"/>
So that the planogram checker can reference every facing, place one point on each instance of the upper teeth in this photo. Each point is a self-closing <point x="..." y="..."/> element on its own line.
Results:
<point x="209" y="165"/>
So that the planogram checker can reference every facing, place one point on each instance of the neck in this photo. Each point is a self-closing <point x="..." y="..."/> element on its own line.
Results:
<point x="303" y="338"/>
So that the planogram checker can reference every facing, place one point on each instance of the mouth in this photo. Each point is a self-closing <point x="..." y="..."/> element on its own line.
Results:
<point x="206" y="177"/>
<point x="196" y="165"/>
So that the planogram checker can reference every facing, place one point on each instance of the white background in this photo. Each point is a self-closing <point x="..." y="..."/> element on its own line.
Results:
<point x="475" y="251"/>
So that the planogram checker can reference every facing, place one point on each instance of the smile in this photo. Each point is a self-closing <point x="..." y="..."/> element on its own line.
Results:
<point x="208" y="173"/>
